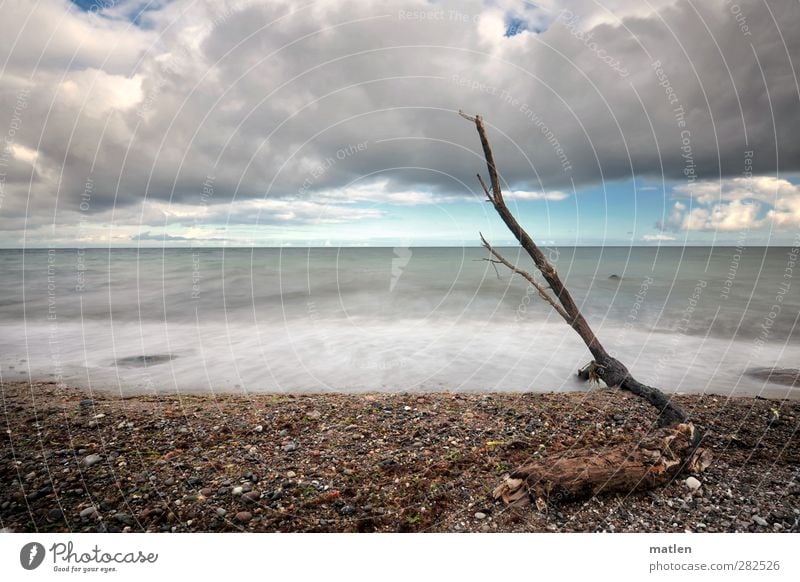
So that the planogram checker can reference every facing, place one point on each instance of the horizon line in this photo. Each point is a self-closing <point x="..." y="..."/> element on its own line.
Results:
<point x="505" y="246"/>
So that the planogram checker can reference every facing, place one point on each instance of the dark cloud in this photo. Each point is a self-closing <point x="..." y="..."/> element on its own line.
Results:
<point x="271" y="100"/>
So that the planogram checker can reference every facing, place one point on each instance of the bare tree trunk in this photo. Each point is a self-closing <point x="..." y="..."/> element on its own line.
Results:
<point x="652" y="461"/>
<point x="604" y="366"/>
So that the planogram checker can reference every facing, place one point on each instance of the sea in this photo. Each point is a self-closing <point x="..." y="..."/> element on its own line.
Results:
<point x="395" y="319"/>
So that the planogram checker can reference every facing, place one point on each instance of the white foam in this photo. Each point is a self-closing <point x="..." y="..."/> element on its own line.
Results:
<point x="354" y="356"/>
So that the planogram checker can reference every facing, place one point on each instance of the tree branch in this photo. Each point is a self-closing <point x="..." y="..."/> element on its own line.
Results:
<point x="542" y="292"/>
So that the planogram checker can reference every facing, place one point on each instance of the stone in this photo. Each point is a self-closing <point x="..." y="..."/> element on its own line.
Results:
<point x="480" y="515"/>
<point x="244" y="516"/>
<point x="289" y="447"/>
<point x="123" y="518"/>
<point x="89" y="512"/>
<point x="91" y="460"/>
<point x="258" y="428"/>
<point x="760" y="521"/>
<point x="692" y="483"/>
<point x="86" y="403"/>
<point x="30" y="476"/>
<point x="251" y="497"/>
<point x="237" y="491"/>
<point x="221" y="512"/>
<point x="54" y="514"/>
<point x="291" y="474"/>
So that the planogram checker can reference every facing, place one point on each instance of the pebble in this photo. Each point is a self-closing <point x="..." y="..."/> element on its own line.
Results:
<point x="54" y="514"/>
<point x="86" y="402"/>
<point x="90" y="511"/>
<point x="258" y="428"/>
<point x="237" y="491"/>
<point x="30" y="476"/>
<point x="693" y="484"/>
<point x="221" y="512"/>
<point x="124" y="518"/>
<point x="760" y="521"/>
<point x="480" y="515"/>
<point x="291" y="474"/>
<point x="289" y="447"/>
<point x="91" y="460"/>
<point x="244" y="516"/>
<point x="251" y="496"/>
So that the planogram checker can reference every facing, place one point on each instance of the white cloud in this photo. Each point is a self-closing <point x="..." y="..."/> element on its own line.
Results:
<point x="660" y="237"/>
<point x="552" y="195"/>
<point x="25" y="154"/>
<point x="95" y="93"/>
<point x="736" y="204"/>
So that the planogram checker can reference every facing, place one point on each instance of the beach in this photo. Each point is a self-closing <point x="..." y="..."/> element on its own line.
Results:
<point x="373" y="462"/>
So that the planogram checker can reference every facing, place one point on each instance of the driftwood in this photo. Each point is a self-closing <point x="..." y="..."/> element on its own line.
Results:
<point x="585" y="473"/>
<point x="652" y="462"/>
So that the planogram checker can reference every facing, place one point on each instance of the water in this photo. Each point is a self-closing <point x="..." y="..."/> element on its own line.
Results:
<point x="403" y="319"/>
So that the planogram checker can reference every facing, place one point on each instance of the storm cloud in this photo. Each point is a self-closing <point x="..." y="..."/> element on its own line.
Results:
<point x="281" y="113"/>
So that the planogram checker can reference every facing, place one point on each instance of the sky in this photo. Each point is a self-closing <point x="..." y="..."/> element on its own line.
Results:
<point x="270" y="123"/>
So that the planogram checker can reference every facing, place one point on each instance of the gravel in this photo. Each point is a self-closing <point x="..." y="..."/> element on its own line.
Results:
<point x="428" y="465"/>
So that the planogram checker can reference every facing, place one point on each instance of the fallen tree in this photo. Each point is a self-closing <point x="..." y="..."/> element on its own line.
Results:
<point x="652" y="461"/>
